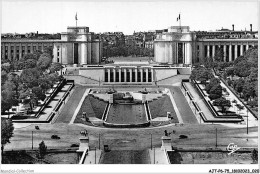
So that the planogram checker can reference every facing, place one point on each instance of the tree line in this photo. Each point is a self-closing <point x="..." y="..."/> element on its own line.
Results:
<point x="28" y="86"/>
<point x="124" y="50"/>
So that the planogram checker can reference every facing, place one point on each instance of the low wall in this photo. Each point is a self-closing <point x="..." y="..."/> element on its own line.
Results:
<point x="212" y="109"/>
<point x="111" y="125"/>
<point x="81" y="79"/>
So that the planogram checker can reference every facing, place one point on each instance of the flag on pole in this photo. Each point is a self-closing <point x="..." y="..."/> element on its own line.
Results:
<point x="76" y="17"/>
<point x="179" y="17"/>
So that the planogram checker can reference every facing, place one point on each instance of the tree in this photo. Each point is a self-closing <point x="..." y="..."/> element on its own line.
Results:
<point x="30" y="77"/>
<point x="8" y="96"/>
<point x="7" y="129"/>
<point x="239" y="85"/>
<point x="3" y="77"/>
<point x="219" y="54"/>
<point x="249" y="90"/>
<point x="55" y="67"/>
<point x="29" y="63"/>
<point x="44" y="61"/>
<point x="201" y="74"/>
<point x="42" y="149"/>
<point x="242" y="68"/>
<point x="230" y="72"/>
<point x="223" y="103"/>
<point x="254" y="156"/>
<point x="239" y="107"/>
<point x="253" y="76"/>
<point x="38" y="93"/>
<point x="215" y="92"/>
<point x="213" y="82"/>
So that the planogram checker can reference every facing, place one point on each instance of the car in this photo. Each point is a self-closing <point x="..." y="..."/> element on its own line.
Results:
<point x="74" y="145"/>
<point x="55" y="137"/>
<point x="183" y="136"/>
<point x="37" y="127"/>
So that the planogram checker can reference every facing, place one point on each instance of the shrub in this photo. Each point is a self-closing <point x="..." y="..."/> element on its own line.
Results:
<point x="229" y="82"/>
<point x="252" y="103"/>
<point x="214" y="96"/>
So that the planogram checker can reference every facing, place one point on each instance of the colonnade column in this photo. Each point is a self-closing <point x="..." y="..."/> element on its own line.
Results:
<point x="146" y="73"/>
<point x="120" y="71"/>
<point x="15" y="52"/>
<point x="189" y="51"/>
<point x="114" y="74"/>
<point x="141" y="70"/>
<point x="152" y="75"/>
<point x="241" y="50"/>
<point x="230" y="52"/>
<point x="108" y="72"/>
<point x="208" y="51"/>
<point x="135" y="74"/>
<point x="83" y="53"/>
<point x="125" y="75"/>
<point x="247" y="46"/>
<point x="213" y="51"/>
<point x="235" y="51"/>
<point x="3" y="51"/>
<point x="9" y="52"/>
<point x="130" y="70"/>
<point x="225" y="53"/>
<point x="25" y="48"/>
<point x="20" y="51"/>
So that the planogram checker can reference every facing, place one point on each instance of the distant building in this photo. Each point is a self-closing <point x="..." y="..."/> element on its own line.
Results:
<point x="181" y="46"/>
<point x="77" y="46"/>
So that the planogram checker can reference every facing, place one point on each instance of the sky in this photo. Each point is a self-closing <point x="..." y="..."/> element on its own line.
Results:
<point x="47" y="16"/>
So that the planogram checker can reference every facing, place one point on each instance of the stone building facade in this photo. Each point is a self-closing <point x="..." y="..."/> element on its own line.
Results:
<point x="76" y="47"/>
<point x="180" y="46"/>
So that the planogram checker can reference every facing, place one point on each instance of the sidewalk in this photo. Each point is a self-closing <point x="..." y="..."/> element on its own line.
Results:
<point x="160" y="156"/>
<point x="91" y="157"/>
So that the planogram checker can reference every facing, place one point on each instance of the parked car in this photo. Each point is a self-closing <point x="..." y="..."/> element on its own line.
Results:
<point x="74" y="145"/>
<point x="37" y="127"/>
<point x="55" y="137"/>
<point x="183" y="136"/>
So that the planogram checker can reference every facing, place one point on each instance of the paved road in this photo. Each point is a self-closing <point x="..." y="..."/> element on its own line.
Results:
<point x="71" y="105"/>
<point x="183" y="106"/>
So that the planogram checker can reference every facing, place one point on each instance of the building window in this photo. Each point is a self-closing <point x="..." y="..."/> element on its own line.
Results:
<point x="34" y="48"/>
<point x="40" y="48"/>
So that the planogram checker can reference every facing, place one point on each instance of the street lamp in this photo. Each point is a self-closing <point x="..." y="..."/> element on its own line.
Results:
<point x="216" y="137"/>
<point x="151" y="141"/>
<point x="247" y="121"/>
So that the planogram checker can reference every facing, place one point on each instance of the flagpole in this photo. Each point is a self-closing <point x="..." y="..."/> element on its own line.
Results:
<point x="180" y="21"/>
<point x="76" y="18"/>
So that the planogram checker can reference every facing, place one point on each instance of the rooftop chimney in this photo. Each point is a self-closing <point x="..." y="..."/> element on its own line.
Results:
<point x="233" y="27"/>
<point x="251" y="27"/>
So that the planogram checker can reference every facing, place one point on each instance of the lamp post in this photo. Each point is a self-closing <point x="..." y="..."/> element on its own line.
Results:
<point x="154" y="154"/>
<point x="247" y="121"/>
<point x="216" y="137"/>
<point x="95" y="155"/>
<point x="151" y="141"/>
<point x="99" y="141"/>
<point x="32" y="139"/>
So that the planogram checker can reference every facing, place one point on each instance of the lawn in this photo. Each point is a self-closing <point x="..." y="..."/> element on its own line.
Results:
<point x="160" y="107"/>
<point x="209" y="158"/>
<point x="126" y="114"/>
<point x="126" y="157"/>
<point x="23" y="157"/>
<point x="93" y="108"/>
